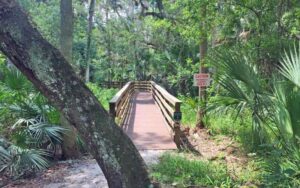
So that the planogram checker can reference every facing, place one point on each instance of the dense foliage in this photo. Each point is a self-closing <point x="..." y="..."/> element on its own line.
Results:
<point x="254" y="96"/>
<point x="27" y="126"/>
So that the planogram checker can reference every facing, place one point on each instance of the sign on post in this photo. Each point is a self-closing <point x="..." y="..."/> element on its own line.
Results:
<point x="202" y="79"/>
<point x="177" y="116"/>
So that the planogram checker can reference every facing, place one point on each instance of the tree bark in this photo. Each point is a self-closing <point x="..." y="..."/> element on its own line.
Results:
<point x="54" y="77"/>
<point x="89" y="37"/>
<point x="69" y="146"/>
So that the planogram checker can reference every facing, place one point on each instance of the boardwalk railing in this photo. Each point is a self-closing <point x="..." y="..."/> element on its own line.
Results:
<point x="112" y="84"/>
<point x="168" y="104"/>
<point x="119" y="105"/>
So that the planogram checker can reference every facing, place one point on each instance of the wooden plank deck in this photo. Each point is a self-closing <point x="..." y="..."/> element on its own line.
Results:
<point x="145" y="124"/>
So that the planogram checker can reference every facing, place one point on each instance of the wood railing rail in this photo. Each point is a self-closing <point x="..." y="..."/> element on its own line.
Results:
<point x="119" y="105"/>
<point x="168" y="104"/>
<point x="112" y="84"/>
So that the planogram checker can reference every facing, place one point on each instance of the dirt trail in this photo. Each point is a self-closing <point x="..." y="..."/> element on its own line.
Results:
<point x="76" y="174"/>
<point x="222" y="148"/>
<point x="85" y="173"/>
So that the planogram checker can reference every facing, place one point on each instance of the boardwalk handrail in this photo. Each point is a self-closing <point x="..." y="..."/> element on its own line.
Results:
<point x="112" y="84"/>
<point x="169" y="105"/>
<point x="118" y="105"/>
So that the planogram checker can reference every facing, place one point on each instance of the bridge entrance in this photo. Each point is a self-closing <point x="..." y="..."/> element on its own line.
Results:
<point x="148" y="114"/>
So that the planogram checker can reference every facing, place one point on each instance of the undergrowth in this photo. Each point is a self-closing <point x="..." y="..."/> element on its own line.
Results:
<point x="185" y="170"/>
<point x="189" y="111"/>
<point x="177" y="170"/>
<point x="217" y="124"/>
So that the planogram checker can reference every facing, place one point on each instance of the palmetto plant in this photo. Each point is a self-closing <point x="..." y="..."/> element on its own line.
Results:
<point x="18" y="161"/>
<point x="34" y="141"/>
<point x="283" y="168"/>
<point x="287" y="95"/>
<point x="37" y="132"/>
<point x="274" y="108"/>
<point x="20" y="97"/>
<point x="291" y="66"/>
<point x="243" y="90"/>
<point x="33" y="138"/>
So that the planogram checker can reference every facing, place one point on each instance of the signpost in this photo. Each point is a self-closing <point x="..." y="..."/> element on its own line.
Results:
<point x="202" y="80"/>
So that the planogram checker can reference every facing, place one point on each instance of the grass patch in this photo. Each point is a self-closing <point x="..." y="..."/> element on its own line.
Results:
<point x="251" y="173"/>
<point x="185" y="170"/>
<point x="177" y="170"/>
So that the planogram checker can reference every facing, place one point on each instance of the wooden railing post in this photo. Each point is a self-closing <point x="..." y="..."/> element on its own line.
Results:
<point x="177" y="131"/>
<point x="177" y="113"/>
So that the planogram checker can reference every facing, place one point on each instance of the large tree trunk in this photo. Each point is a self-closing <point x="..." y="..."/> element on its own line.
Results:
<point x="49" y="71"/>
<point x="70" y="147"/>
<point x="89" y="38"/>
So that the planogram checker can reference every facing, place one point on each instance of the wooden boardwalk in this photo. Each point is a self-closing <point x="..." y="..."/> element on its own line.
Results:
<point x="145" y="124"/>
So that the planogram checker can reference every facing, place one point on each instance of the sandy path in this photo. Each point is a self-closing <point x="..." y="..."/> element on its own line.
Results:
<point x="77" y="174"/>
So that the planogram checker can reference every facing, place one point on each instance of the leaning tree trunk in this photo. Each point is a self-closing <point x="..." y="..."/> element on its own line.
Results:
<point x="70" y="147"/>
<point x="48" y="70"/>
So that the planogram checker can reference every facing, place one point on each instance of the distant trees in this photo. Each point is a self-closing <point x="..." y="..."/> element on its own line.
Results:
<point x="128" y="42"/>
